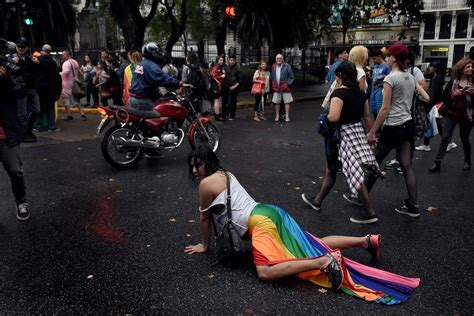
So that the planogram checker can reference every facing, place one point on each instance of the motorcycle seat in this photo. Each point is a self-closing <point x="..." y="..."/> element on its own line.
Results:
<point x="139" y="113"/>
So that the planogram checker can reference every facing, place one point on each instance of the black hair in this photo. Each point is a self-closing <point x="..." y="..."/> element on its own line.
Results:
<point x="341" y="50"/>
<point x="166" y="58"/>
<point x="348" y="74"/>
<point x="376" y="53"/>
<point x="232" y="57"/>
<point x="203" y="156"/>
<point x="192" y="58"/>
<point x="124" y="55"/>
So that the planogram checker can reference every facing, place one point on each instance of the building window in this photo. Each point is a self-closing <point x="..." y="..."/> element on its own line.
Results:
<point x="445" y="28"/>
<point x="430" y="24"/>
<point x="458" y="53"/>
<point x="461" y="26"/>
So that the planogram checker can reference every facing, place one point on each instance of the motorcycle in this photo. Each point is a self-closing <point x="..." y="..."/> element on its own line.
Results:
<point x="136" y="132"/>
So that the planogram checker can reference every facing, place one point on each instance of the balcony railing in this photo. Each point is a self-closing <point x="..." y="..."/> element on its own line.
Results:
<point x="445" y="4"/>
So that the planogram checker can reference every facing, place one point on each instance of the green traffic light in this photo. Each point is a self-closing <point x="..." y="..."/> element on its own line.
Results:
<point x="28" y="21"/>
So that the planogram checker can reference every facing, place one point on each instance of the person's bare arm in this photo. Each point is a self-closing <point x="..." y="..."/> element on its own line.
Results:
<point x="386" y="101"/>
<point x="367" y="118"/>
<point x="335" y="109"/>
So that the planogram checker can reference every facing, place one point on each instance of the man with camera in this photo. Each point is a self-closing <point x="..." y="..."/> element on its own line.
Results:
<point x="28" y="107"/>
<point x="11" y="133"/>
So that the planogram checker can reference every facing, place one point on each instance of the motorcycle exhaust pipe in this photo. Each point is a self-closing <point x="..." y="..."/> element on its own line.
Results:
<point x="134" y="143"/>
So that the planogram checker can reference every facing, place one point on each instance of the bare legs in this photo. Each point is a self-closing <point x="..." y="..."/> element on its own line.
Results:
<point x="286" y="269"/>
<point x="217" y="106"/>
<point x="287" y="112"/>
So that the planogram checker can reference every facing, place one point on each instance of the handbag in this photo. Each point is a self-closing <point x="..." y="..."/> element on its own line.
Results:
<point x="228" y="243"/>
<point x="257" y="87"/>
<point x="420" y="118"/>
<point x="78" y="91"/>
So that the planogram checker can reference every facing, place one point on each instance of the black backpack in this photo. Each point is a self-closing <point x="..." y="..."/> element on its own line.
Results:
<point x="197" y="80"/>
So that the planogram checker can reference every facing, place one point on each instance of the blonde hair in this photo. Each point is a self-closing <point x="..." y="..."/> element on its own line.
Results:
<point x="359" y="56"/>
<point x="136" y="57"/>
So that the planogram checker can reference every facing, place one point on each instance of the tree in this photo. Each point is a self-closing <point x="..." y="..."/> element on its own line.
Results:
<point x="177" y="27"/>
<point x="128" y="15"/>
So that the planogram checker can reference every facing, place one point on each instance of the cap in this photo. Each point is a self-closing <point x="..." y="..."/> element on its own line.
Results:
<point x="22" y="41"/>
<point x="400" y="52"/>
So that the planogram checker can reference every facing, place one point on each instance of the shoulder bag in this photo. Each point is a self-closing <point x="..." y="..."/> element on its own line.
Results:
<point x="229" y="245"/>
<point x="418" y="112"/>
<point x="78" y="87"/>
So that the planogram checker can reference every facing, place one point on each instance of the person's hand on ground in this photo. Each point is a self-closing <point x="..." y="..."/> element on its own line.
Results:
<point x="192" y="249"/>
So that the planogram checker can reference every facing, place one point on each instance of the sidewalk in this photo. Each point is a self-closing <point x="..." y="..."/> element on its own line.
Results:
<point x="247" y="100"/>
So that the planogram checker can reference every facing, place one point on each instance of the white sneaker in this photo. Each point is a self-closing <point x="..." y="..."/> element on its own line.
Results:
<point x="451" y="146"/>
<point x="423" y="148"/>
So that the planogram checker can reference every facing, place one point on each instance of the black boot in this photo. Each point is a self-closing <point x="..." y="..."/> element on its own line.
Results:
<point x="436" y="167"/>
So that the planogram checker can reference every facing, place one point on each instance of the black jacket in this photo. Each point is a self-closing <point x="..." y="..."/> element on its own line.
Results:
<point x="232" y="75"/>
<point x="9" y="113"/>
<point x="48" y="78"/>
<point x="28" y="71"/>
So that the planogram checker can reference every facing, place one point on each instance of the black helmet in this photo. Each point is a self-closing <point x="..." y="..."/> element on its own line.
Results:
<point x="153" y="51"/>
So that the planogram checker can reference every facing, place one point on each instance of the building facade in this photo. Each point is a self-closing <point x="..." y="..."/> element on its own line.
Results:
<point x="447" y="33"/>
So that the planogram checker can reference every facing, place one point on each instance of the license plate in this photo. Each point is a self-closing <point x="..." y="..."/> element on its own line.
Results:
<point x="101" y="124"/>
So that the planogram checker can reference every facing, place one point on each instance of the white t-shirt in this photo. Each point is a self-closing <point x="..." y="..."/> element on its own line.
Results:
<point x="361" y="74"/>
<point x="241" y="203"/>
<point x="278" y="72"/>
<point x="417" y="74"/>
<point x="403" y="86"/>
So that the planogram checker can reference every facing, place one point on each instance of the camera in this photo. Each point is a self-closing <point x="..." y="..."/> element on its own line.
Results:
<point x="5" y="62"/>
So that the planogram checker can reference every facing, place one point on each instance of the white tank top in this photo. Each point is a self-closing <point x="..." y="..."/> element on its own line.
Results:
<point x="242" y="204"/>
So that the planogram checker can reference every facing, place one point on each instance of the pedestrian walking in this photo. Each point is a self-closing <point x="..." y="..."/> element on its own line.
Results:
<point x="281" y="248"/>
<point x="70" y="70"/>
<point x="282" y="80"/>
<point x="359" y="56"/>
<point x="379" y="71"/>
<point x="398" y="126"/>
<point x="261" y="78"/>
<point x="348" y="107"/>
<point x="87" y="71"/>
<point x="457" y="110"/>
<point x="341" y="55"/>
<point x="218" y="73"/>
<point x="29" y="106"/>
<point x="11" y="136"/>
<point x="230" y="89"/>
<point x="49" y="88"/>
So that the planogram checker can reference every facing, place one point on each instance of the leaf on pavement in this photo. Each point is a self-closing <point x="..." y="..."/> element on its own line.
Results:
<point x="248" y="311"/>
<point x="297" y="188"/>
<point x="432" y="209"/>
<point x="188" y="235"/>
<point x="191" y="221"/>
<point x="322" y="290"/>
<point x="211" y="276"/>
<point x="90" y="276"/>
<point x="172" y="220"/>
<point x="111" y="179"/>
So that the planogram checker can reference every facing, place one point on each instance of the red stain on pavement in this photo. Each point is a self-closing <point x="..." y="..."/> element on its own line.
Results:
<point x="102" y="223"/>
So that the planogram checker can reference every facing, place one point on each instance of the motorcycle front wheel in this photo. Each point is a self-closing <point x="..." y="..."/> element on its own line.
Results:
<point x="116" y="152"/>
<point x="214" y="141"/>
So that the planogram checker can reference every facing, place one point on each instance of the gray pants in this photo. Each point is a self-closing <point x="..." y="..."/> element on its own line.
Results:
<point x="11" y="159"/>
<point x="141" y="104"/>
<point x="465" y="128"/>
<point x="28" y="109"/>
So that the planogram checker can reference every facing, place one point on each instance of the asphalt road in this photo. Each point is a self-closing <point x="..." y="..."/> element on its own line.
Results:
<point x="107" y="241"/>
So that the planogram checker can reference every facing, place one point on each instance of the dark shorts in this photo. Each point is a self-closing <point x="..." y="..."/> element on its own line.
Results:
<point x="392" y="136"/>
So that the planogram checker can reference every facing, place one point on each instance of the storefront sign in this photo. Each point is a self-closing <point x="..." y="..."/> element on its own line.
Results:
<point x="378" y="17"/>
<point x="369" y="42"/>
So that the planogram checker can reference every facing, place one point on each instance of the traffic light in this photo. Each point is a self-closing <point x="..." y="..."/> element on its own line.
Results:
<point x="230" y="11"/>
<point x="28" y="21"/>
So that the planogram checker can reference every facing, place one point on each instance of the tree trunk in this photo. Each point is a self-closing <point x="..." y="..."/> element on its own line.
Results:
<point x="131" y="22"/>
<point x="177" y="27"/>
<point x="221" y="37"/>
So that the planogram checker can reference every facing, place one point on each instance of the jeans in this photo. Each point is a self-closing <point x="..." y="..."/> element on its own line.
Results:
<point x="465" y="128"/>
<point x="28" y="109"/>
<point x="141" y="104"/>
<point x="11" y="159"/>
<point x="229" y="102"/>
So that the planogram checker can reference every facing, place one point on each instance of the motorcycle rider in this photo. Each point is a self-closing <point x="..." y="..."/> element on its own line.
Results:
<point x="148" y="76"/>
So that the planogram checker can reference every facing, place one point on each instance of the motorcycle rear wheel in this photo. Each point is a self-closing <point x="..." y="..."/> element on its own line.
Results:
<point x="214" y="140"/>
<point x="120" y="156"/>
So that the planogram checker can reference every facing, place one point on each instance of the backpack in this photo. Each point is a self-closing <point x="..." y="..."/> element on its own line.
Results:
<point x="213" y="88"/>
<point x="197" y="80"/>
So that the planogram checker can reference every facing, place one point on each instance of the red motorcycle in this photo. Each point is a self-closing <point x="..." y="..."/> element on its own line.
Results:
<point x="136" y="131"/>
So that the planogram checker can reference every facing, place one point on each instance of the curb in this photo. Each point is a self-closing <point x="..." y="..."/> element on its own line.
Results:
<point x="240" y="105"/>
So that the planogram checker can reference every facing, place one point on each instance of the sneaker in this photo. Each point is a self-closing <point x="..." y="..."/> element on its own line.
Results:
<point x="373" y="246"/>
<point x="364" y="219"/>
<point x="22" y="213"/>
<point x="451" y="146"/>
<point x="54" y="129"/>
<point x="231" y="118"/>
<point x="399" y="170"/>
<point x="83" y="118"/>
<point x="352" y="199"/>
<point x="68" y="118"/>
<point x="423" y="148"/>
<point x="392" y="164"/>
<point x="333" y="269"/>
<point x="310" y="203"/>
<point x="30" y="139"/>
<point x="409" y="210"/>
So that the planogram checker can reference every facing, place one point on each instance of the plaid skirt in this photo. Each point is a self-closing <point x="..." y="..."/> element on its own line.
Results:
<point x="356" y="156"/>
